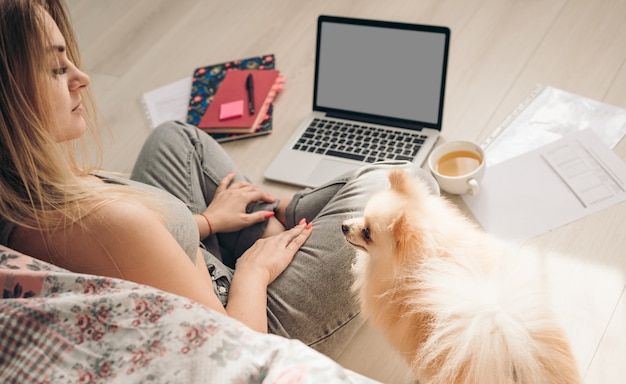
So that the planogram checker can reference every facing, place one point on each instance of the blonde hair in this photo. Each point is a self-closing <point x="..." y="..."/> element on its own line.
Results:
<point x="40" y="180"/>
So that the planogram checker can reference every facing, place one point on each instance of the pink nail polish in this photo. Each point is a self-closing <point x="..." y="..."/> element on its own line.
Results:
<point x="309" y="225"/>
<point x="268" y="214"/>
<point x="302" y="221"/>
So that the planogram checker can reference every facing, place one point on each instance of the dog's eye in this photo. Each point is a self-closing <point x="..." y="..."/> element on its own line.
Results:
<point x="366" y="234"/>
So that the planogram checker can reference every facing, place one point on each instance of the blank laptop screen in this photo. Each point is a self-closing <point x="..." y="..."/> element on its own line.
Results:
<point x="387" y="72"/>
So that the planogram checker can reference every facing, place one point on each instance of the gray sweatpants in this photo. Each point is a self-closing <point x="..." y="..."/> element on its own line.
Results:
<point x="311" y="300"/>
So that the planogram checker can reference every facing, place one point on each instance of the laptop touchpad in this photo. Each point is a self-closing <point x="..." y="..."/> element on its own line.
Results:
<point x="328" y="169"/>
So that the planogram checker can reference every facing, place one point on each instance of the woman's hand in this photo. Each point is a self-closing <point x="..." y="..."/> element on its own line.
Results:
<point x="227" y="211"/>
<point x="269" y="257"/>
<point x="257" y="268"/>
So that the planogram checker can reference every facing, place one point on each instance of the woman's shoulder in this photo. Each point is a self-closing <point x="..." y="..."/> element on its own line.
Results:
<point x="122" y="222"/>
<point x="120" y="237"/>
<point x="117" y="219"/>
<point x="77" y="245"/>
<point x="118" y="212"/>
<point x="130" y="219"/>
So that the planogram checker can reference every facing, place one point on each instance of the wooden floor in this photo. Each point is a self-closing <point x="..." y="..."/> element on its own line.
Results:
<point x="500" y="50"/>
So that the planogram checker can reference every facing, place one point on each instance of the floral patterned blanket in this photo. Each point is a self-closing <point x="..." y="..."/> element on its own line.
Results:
<point x="61" y="327"/>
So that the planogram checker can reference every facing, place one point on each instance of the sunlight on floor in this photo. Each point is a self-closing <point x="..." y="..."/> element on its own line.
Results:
<point x="584" y="296"/>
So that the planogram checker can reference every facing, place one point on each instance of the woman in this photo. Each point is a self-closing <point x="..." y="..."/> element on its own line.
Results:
<point x="293" y="282"/>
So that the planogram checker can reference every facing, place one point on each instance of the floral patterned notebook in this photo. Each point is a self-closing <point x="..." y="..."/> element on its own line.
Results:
<point x="207" y="79"/>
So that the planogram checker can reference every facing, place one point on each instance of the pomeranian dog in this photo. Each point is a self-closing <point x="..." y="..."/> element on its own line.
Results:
<point x="454" y="302"/>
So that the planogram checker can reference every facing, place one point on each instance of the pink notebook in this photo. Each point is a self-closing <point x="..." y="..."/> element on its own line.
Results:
<point x="233" y="90"/>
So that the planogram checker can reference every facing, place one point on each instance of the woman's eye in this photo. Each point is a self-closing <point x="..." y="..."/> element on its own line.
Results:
<point x="366" y="234"/>
<point x="59" y="71"/>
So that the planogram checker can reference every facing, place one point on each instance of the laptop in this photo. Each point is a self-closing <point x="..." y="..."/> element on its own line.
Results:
<point x="379" y="87"/>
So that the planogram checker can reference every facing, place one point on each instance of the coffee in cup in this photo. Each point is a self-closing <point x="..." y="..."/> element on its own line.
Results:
<point x="458" y="166"/>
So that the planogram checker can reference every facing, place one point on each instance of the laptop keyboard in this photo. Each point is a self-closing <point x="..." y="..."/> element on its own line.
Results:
<point x="358" y="141"/>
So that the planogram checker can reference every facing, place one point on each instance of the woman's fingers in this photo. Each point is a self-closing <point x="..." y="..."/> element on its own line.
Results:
<point x="273" y="254"/>
<point x="296" y="236"/>
<point x="287" y="245"/>
<point x="251" y="191"/>
<point x="227" y="209"/>
<point x="225" y="182"/>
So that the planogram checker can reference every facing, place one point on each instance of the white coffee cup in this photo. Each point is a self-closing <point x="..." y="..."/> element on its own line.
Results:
<point x="458" y="167"/>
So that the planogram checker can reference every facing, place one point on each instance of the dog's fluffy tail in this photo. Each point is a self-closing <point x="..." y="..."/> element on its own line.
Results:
<point x="488" y="328"/>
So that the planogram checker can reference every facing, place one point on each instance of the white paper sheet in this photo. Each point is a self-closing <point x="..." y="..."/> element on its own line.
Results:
<point x="169" y="102"/>
<point x="549" y="114"/>
<point x="546" y="188"/>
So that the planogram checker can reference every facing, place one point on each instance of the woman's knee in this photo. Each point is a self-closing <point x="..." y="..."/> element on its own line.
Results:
<point x="172" y="133"/>
<point x="166" y="150"/>
<point x="376" y="174"/>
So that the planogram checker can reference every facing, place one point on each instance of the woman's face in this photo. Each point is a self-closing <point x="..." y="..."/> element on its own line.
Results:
<point x="65" y="82"/>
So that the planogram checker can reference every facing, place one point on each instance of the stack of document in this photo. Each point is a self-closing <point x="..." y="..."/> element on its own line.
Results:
<point x="550" y="163"/>
<point x="188" y="99"/>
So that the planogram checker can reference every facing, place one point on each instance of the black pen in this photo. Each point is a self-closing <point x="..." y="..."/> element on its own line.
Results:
<point x="250" y="88"/>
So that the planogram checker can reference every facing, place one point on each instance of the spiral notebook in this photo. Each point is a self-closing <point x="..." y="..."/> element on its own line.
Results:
<point x="233" y="91"/>
<point x="187" y="99"/>
<point x="206" y="81"/>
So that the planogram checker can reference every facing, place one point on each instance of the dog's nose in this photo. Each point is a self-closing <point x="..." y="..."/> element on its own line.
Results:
<point x="345" y="228"/>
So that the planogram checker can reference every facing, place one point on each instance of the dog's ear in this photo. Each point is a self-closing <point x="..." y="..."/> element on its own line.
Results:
<point x="397" y="180"/>
<point x="407" y="238"/>
<point x="403" y="183"/>
<point x="408" y="186"/>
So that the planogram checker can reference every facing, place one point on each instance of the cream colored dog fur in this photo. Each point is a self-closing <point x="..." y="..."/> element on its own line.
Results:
<point x="455" y="303"/>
